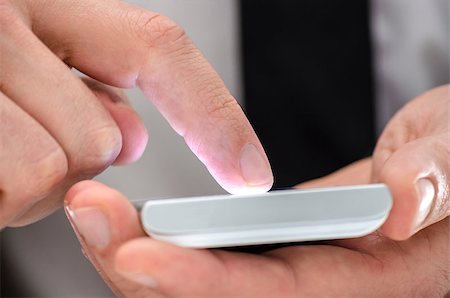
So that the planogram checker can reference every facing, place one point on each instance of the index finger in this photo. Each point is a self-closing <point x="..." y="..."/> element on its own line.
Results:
<point x="126" y="46"/>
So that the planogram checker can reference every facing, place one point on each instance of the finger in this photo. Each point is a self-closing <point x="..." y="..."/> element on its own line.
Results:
<point x="63" y="105"/>
<point x="37" y="81"/>
<point x="354" y="174"/>
<point x="171" y="71"/>
<point x="180" y="272"/>
<point x="134" y="133"/>
<point x="142" y="267"/>
<point x="418" y="176"/>
<point x="102" y="219"/>
<point x="134" y="141"/>
<point x="27" y="173"/>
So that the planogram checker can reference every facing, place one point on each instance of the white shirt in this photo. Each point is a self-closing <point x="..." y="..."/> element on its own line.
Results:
<point x="411" y="47"/>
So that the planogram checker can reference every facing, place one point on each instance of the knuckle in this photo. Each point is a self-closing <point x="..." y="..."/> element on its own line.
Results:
<point x="158" y="30"/>
<point x="46" y="172"/>
<point x="99" y="150"/>
<point x="217" y="100"/>
<point x="222" y="106"/>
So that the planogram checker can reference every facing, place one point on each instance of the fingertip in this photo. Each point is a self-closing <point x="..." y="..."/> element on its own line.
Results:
<point x="255" y="168"/>
<point x="93" y="194"/>
<point x="400" y="223"/>
<point x="134" y="135"/>
<point x="97" y="210"/>
<point x="415" y="174"/>
<point x="392" y="232"/>
<point x="248" y="190"/>
<point x="400" y="179"/>
<point x="79" y="187"/>
<point x="251" y="175"/>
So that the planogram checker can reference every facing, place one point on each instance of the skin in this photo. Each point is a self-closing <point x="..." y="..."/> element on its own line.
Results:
<point x="57" y="131"/>
<point x="373" y="266"/>
<point x="48" y="144"/>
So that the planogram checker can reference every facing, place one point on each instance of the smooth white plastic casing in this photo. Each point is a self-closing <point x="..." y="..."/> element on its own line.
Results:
<point x="274" y="217"/>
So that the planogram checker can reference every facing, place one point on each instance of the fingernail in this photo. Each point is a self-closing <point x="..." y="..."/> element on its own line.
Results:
<point x="255" y="170"/>
<point x="425" y="190"/>
<point x="140" y="278"/>
<point x="92" y="224"/>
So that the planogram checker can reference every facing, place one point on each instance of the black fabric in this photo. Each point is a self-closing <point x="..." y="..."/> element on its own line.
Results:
<point x="308" y="83"/>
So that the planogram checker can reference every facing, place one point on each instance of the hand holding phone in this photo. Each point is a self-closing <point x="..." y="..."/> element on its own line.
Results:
<point x="273" y="217"/>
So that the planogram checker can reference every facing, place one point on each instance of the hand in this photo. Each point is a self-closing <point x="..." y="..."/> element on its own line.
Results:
<point x="39" y="163"/>
<point x="135" y="265"/>
<point x="373" y="266"/>
<point x="412" y="157"/>
<point x="55" y="131"/>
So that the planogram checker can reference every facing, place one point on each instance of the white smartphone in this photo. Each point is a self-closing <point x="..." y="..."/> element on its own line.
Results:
<point x="274" y="217"/>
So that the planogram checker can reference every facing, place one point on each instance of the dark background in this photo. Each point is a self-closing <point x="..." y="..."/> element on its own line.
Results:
<point x="308" y="84"/>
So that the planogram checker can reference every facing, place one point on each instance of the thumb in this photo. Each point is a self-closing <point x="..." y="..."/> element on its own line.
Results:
<point x="417" y="173"/>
